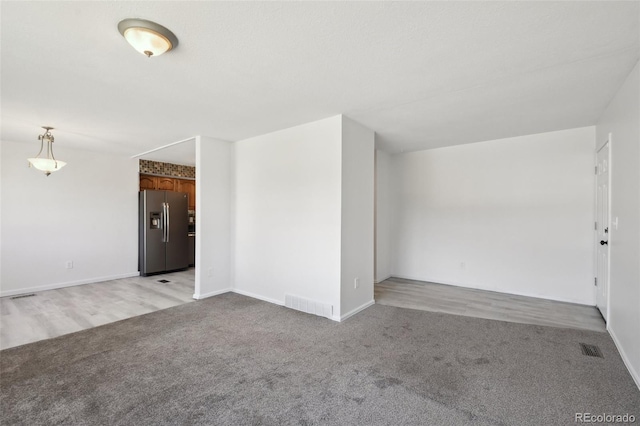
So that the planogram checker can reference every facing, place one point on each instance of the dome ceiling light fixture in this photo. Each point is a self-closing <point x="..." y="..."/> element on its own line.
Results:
<point x="147" y="37"/>
<point x="48" y="164"/>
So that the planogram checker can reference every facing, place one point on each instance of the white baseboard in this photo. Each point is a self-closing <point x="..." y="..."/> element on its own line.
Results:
<point x="278" y="302"/>
<point x="486" y="288"/>
<point x="281" y="303"/>
<point x="259" y="297"/>
<point x="385" y="278"/>
<point x="356" y="310"/>
<point x="211" y="293"/>
<point x="67" y="284"/>
<point x="625" y="358"/>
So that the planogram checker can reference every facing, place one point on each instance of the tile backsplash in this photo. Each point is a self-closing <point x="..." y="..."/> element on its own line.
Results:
<point x="167" y="169"/>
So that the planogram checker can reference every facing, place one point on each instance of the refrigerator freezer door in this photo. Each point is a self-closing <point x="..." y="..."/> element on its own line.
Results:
<point x="152" y="224"/>
<point x="177" y="231"/>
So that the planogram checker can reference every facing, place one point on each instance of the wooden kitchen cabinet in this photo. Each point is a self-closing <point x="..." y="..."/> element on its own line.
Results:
<point x="167" y="184"/>
<point x="164" y="183"/>
<point x="148" y="182"/>
<point x="188" y="186"/>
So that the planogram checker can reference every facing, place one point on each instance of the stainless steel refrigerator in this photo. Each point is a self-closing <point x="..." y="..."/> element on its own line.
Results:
<point x="163" y="232"/>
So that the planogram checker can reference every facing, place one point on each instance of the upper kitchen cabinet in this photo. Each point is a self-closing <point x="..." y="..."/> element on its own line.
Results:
<point x="148" y="182"/>
<point x="167" y="184"/>
<point x="188" y="186"/>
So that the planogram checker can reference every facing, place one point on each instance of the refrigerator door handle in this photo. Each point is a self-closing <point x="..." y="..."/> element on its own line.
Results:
<point x="164" y="222"/>
<point x="168" y="218"/>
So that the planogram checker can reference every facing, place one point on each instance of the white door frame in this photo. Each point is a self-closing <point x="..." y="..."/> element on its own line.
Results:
<point x="596" y="239"/>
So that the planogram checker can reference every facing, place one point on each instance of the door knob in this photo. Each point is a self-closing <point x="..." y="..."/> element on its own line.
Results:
<point x="602" y="242"/>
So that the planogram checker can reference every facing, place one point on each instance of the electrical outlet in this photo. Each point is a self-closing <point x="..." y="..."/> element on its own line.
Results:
<point x="69" y="264"/>
<point x="356" y="283"/>
<point x="463" y="265"/>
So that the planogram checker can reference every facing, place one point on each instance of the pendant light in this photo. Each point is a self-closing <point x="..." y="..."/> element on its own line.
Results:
<point x="48" y="164"/>
<point x="147" y="37"/>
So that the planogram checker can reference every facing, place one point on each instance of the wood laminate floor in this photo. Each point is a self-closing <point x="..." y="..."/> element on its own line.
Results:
<point x="66" y="310"/>
<point x="53" y="313"/>
<point x="486" y="304"/>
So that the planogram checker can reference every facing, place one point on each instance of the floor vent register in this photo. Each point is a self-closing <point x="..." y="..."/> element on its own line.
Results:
<point x="591" y="350"/>
<point x="22" y="296"/>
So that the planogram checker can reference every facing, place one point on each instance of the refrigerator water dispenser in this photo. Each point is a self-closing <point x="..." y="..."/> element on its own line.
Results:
<point x="155" y="222"/>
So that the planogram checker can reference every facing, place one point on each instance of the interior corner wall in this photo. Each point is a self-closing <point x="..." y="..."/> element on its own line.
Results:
<point x="287" y="214"/>
<point x="621" y="119"/>
<point x="383" y="217"/>
<point x="512" y="215"/>
<point x="357" y="227"/>
<point x="85" y="213"/>
<point x="214" y="172"/>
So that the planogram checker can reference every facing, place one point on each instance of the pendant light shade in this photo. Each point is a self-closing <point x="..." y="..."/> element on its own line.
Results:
<point x="147" y="37"/>
<point x="49" y="163"/>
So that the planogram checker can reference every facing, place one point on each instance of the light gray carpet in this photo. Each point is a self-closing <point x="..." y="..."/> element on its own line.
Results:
<point x="233" y="360"/>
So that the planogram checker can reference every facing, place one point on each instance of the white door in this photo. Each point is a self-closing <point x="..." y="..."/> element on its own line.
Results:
<point x="602" y="229"/>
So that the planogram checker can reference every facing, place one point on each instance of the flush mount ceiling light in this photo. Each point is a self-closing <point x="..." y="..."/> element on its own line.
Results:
<point x="49" y="164"/>
<point x="147" y="37"/>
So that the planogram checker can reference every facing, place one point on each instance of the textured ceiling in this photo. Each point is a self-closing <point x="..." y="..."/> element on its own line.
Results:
<point x="421" y="74"/>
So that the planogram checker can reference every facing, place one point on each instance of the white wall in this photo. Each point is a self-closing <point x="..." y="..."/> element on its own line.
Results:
<point x="1" y="213"/>
<point x="383" y="217"/>
<point x="517" y="212"/>
<point x="214" y="170"/>
<point x="86" y="213"/>
<point x="622" y="120"/>
<point x="357" y="250"/>
<point x="287" y="213"/>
